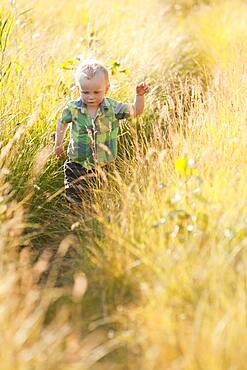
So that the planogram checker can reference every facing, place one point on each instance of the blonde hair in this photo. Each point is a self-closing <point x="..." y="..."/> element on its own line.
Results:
<point x="88" y="69"/>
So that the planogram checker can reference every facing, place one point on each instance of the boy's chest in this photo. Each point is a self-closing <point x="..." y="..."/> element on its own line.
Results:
<point x="100" y="123"/>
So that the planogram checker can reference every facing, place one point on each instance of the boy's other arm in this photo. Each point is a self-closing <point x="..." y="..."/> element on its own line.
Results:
<point x="60" y="133"/>
<point x="138" y="105"/>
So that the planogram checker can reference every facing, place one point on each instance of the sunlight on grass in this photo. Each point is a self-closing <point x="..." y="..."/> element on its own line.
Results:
<point x="152" y="274"/>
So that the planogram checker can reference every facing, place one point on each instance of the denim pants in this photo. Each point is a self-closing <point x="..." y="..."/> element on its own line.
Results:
<point x="78" y="181"/>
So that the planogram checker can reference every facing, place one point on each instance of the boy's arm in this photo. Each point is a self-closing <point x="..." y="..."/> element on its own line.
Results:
<point x="138" y="105"/>
<point x="60" y="133"/>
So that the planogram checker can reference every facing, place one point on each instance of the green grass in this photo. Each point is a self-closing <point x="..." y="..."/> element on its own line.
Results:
<point x="152" y="275"/>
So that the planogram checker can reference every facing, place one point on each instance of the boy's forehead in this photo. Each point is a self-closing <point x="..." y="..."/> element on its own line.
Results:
<point x="97" y="81"/>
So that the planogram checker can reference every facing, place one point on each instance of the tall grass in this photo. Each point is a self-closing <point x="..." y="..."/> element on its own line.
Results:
<point x="153" y="273"/>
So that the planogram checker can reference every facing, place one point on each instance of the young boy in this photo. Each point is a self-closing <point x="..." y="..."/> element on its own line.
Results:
<point x="94" y="124"/>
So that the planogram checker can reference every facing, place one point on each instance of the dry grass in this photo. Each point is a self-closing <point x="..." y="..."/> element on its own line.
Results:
<point x="154" y="274"/>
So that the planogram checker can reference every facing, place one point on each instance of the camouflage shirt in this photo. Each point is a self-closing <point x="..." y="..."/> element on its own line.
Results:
<point x="94" y="140"/>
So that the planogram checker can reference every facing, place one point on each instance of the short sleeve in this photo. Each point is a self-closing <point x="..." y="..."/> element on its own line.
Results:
<point x="66" y="115"/>
<point x="122" y="110"/>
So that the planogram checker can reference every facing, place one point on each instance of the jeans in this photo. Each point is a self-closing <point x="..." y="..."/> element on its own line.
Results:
<point x="78" y="181"/>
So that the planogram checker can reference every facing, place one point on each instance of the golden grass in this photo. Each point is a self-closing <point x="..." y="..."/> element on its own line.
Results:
<point x="159" y="264"/>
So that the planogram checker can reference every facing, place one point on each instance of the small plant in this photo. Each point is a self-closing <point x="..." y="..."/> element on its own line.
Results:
<point x="115" y="67"/>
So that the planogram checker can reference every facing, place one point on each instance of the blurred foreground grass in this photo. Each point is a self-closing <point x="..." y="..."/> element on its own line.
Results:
<point x="154" y="274"/>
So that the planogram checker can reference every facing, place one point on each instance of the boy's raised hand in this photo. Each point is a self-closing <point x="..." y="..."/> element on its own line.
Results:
<point x="142" y="89"/>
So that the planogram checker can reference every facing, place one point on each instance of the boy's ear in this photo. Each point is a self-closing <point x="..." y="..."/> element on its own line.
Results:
<point x="107" y="88"/>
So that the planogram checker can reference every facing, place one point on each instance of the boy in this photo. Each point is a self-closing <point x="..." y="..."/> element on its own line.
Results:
<point x="94" y="123"/>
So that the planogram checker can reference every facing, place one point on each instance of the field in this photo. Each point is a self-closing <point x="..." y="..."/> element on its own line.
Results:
<point x="152" y="275"/>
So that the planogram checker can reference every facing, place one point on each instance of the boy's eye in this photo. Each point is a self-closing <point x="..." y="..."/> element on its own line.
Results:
<point x="85" y="92"/>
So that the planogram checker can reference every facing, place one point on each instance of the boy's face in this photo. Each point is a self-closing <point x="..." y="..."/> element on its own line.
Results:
<point x="93" y="90"/>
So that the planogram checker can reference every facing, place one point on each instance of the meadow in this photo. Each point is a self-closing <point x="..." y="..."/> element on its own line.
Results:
<point x="153" y="274"/>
